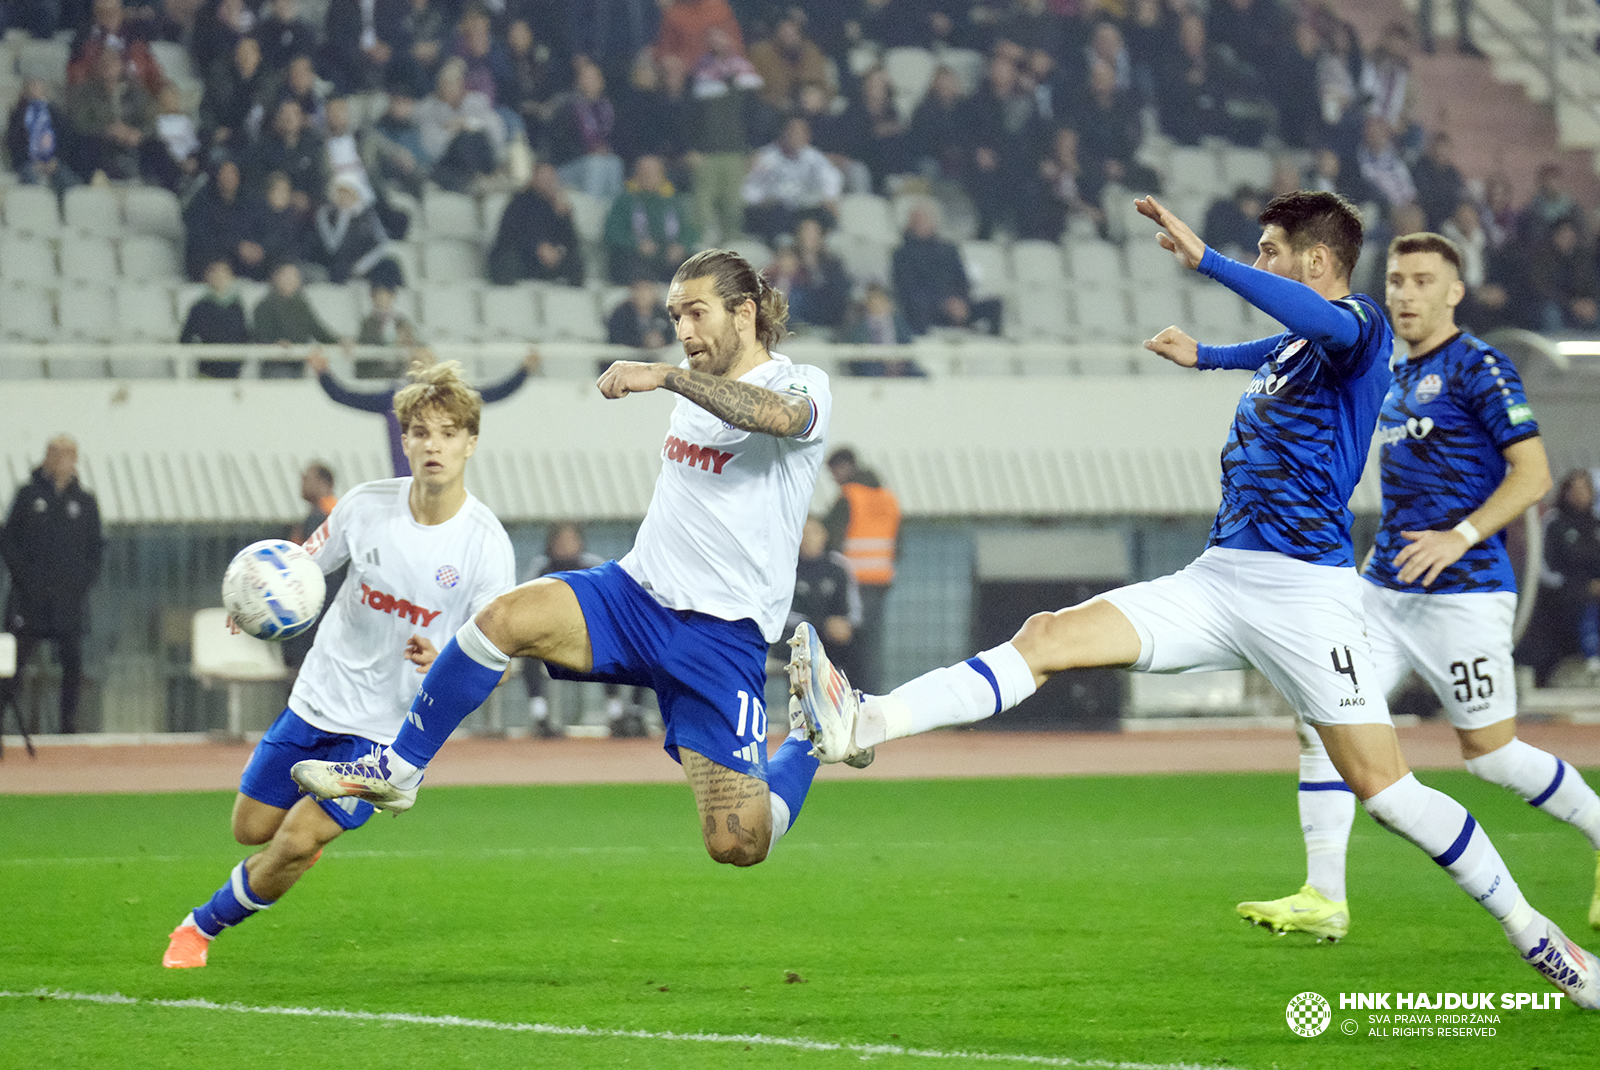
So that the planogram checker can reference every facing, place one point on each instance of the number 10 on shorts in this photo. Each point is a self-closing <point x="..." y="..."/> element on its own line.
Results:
<point x="751" y="711"/>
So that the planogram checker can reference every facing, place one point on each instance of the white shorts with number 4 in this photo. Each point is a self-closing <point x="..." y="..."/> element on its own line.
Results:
<point x="1459" y="643"/>
<point x="1299" y="624"/>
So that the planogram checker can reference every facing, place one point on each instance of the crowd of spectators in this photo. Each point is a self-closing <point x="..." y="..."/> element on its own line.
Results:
<point x="703" y="121"/>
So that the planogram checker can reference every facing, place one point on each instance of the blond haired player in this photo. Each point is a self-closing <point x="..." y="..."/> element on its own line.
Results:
<point x="424" y="556"/>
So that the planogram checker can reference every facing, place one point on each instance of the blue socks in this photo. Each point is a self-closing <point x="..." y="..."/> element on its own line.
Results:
<point x="789" y="774"/>
<point x="233" y="903"/>
<point x="460" y="679"/>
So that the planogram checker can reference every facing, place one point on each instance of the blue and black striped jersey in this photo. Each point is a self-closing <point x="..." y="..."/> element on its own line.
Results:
<point x="1446" y="421"/>
<point x="1300" y="438"/>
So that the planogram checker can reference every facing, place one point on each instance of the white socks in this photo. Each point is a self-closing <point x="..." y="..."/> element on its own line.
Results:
<point x="1325" y="819"/>
<point x="979" y="687"/>
<point x="780" y="819"/>
<point x="475" y="645"/>
<point x="1544" y="781"/>
<point x="1451" y="837"/>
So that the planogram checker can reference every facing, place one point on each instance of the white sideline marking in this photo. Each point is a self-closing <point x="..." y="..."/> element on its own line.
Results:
<point x="795" y="1043"/>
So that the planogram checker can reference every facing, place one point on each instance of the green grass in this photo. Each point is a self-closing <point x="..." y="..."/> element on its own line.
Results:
<point x="1086" y="919"/>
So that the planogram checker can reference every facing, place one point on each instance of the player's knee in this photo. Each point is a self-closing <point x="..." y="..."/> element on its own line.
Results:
<point x="497" y="622"/>
<point x="1048" y="640"/>
<point x="736" y="842"/>
<point x="732" y="852"/>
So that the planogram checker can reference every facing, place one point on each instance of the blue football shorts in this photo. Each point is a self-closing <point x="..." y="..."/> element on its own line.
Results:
<point x="266" y="777"/>
<point x="708" y="674"/>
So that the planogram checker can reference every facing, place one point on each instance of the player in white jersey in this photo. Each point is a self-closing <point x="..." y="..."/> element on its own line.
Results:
<point x="691" y="609"/>
<point x="1461" y="458"/>
<point x="1276" y="589"/>
<point x="424" y="556"/>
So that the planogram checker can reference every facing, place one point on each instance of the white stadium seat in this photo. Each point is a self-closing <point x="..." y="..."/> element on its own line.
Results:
<point x="1036" y="316"/>
<point x="866" y="261"/>
<point x="147" y="258"/>
<point x="87" y="258"/>
<point x="1095" y="263"/>
<point x="988" y="271"/>
<point x="93" y="210"/>
<point x="88" y="314"/>
<point x="868" y="217"/>
<point x="1156" y="308"/>
<point x="450" y="314"/>
<point x="450" y="215"/>
<point x="910" y="71"/>
<point x="145" y="313"/>
<point x="1194" y="170"/>
<point x="1151" y="265"/>
<point x="28" y="315"/>
<point x="452" y="261"/>
<point x="33" y="210"/>
<point x="1102" y="316"/>
<point x="588" y="215"/>
<point x="25" y="259"/>
<point x="752" y="249"/>
<point x="154" y="211"/>
<point x="1037" y="263"/>
<point x="511" y="313"/>
<point x="336" y="304"/>
<point x="1218" y="314"/>
<point x="570" y="313"/>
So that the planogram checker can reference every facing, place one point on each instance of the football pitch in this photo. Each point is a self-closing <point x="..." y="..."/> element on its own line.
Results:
<point x="1082" y="921"/>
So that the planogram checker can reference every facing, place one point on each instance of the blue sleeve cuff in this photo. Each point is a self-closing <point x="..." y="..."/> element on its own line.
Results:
<point x="1295" y="305"/>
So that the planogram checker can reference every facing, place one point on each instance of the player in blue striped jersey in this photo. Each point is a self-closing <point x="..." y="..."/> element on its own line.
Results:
<point x="1275" y="589"/>
<point x="1461" y="458"/>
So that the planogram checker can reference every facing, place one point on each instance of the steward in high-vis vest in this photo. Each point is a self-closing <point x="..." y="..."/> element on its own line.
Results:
<point x="864" y="525"/>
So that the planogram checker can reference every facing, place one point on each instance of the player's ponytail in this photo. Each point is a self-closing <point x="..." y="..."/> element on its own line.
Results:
<point x="736" y="282"/>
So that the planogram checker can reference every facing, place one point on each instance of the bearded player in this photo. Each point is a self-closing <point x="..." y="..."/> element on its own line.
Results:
<point x="691" y="609"/>
<point x="1461" y="458"/>
<point x="424" y="556"/>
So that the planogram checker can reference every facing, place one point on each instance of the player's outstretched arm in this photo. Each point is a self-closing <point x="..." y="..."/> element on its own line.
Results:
<point x="1176" y="346"/>
<point x="744" y="405"/>
<point x="1527" y="480"/>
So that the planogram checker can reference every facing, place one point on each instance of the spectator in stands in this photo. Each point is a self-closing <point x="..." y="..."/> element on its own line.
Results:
<point x="1150" y="31"/>
<point x="274" y="230"/>
<point x="536" y="239"/>
<point x="112" y="31"/>
<point x="1037" y="26"/>
<point x="579" y="136"/>
<point x="1464" y="44"/>
<point x="487" y="64"/>
<point x="1194" y="88"/>
<point x="217" y="28"/>
<point x="822" y="296"/>
<point x="641" y="320"/>
<point x="931" y="283"/>
<point x="1390" y="90"/>
<point x="1498" y="212"/>
<point x="1565" y="612"/>
<point x="1296" y="90"/>
<point x="870" y="129"/>
<point x="1254" y="30"/>
<point x="611" y="32"/>
<point x="687" y="27"/>
<point x="937" y="139"/>
<point x="419" y="32"/>
<point x="285" y="316"/>
<point x="234" y="105"/>
<point x="52" y="546"/>
<point x="724" y="96"/>
<point x="1440" y="188"/>
<point x="215" y="223"/>
<point x="355" y="56"/>
<point x="1338" y="85"/>
<point x="289" y="145"/>
<point x="1232" y="225"/>
<point x="1003" y="130"/>
<point x="1061" y="192"/>
<point x="35" y="133"/>
<point x="462" y="134"/>
<point x="788" y="60"/>
<point x="1486" y="305"/>
<point x="382" y="401"/>
<point x="652" y="115"/>
<point x="398" y="157"/>
<point x="300" y="86"/>
<point x="217" y="318"/>
<point x="529" y="81"/>
<point x="790" y="180"/>
<point x="284" y="34"/>
<point x="825" y="594"/>
<point x="1550" y="205"/>
<point x="880" y="324"/>
<point x="353" y="243"/>
<point x="346" y="147"/>
<point x="384" y="324"/>
<point x="650" y="229"/>
<point x="1382" y="166"/>
<point x="113" y="119"/>
<point x="1329" y="174"/>
<point x="1562" y="282"/>
<point x="174" y="159"/>
<point x="1110" y="131"/>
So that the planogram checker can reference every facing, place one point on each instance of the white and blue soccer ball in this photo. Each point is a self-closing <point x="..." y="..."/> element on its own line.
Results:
<point x="273" y="590"/>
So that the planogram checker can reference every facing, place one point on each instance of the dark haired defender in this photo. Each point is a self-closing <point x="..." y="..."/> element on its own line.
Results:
<point x="691" y="609"/>
<point x="1276" y="588"/>
<point x="1461" y="458"/>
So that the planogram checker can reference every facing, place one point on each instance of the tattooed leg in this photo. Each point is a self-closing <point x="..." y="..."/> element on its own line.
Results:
<point x="735" y="810"/>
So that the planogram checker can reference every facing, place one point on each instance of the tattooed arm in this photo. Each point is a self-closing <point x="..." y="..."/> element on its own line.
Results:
<point x="748" y="407"/>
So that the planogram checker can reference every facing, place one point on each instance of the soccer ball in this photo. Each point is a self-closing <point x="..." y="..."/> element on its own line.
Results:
<point x="273" y="590"/>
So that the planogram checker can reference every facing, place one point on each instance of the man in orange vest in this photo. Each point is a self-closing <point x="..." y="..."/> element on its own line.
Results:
<point x="864" y="524"/>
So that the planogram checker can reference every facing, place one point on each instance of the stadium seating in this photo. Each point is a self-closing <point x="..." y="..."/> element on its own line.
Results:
<point x="32" y="210"/>
<point x="95" y="210"/>
<point x="28" y="314"/>
<point x="450" y="314"/>
<point x="88" y="313"/>
<point x="144" y="312"/>
<point x="336" y="305"/>
<point x="87" y="258"/>
<point x="146" y="258"/>
<point x="510" y="313"/>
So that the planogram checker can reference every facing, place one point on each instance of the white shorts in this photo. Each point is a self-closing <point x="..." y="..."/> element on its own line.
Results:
<point x="1299" y="624"/>
<point x="1459" y="643"/>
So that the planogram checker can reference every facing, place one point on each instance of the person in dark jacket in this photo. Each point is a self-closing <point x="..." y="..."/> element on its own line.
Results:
<point x="536" y="239"/>
<point x="825" y="593"/>
<point x="930" y="282"/>
<point x="1566" y="612"/>
<point x="52" y="547"/>
<point x="217" y="318"/>
<point x="215" y="224"/>
<point x="35" y="136"/>
<point x="641" y="321"/>
<point x="353" y="243"/>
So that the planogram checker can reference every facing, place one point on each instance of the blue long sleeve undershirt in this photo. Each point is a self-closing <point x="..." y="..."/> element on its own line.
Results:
<point x="1244" y="356"/>
<point x="1297" y="306"/>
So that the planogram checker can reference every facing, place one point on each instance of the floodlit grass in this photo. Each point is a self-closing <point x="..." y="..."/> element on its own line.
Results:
<point x="1072" y="919"/>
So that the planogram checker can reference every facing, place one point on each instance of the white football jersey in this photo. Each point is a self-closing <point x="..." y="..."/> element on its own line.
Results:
<point x="722" y="533"/>
<point x="405" y="579"/>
